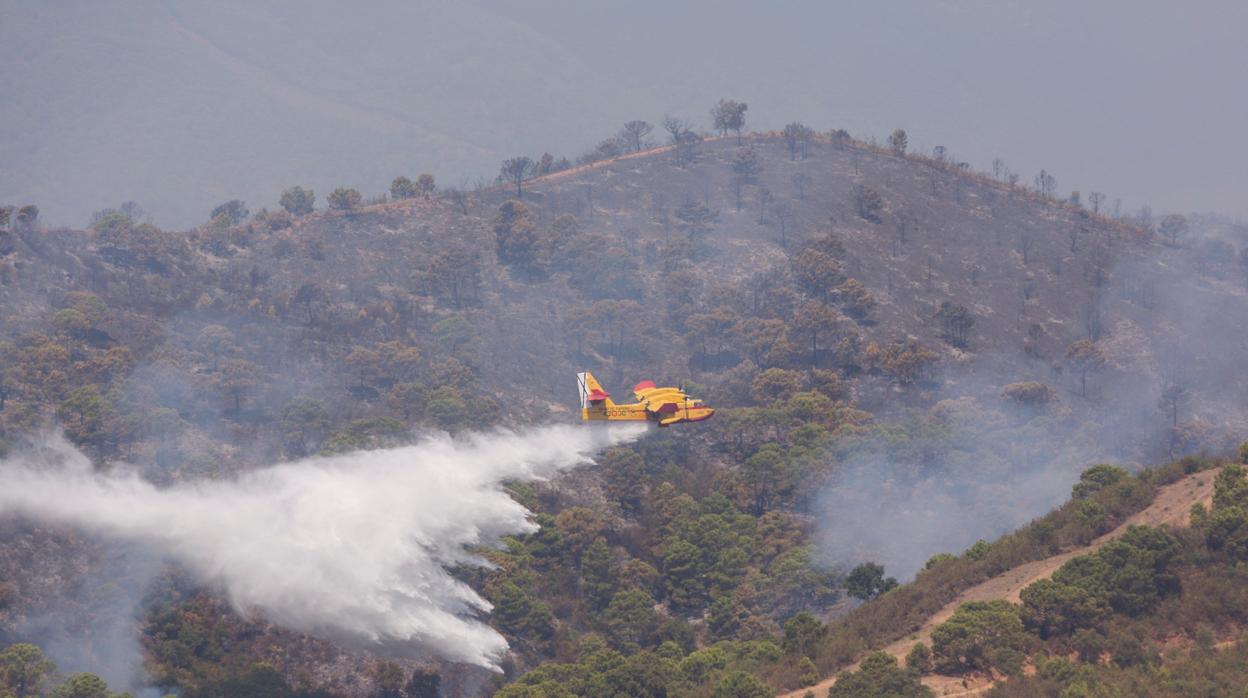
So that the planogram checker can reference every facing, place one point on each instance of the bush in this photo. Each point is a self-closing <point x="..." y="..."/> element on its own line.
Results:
<point x="1029" y="393"/>
<point x="1089" y="644"/>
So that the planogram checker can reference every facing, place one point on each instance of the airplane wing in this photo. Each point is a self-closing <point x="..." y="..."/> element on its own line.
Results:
<point x="642" y="389"/>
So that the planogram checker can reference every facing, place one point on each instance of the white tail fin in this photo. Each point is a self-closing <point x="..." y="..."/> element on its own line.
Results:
<point x="583" y="386"/>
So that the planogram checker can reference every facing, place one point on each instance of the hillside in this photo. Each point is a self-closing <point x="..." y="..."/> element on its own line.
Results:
<point x="907" y="357"/>
<point x="1149" y="609"/>
<point x="1170" y="507"/>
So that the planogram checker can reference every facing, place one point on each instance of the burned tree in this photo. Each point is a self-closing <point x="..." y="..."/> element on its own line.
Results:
<point x="633" y="132"/>
<point x="869" y="203"/>
<point x="956" y="321"/>
<point x="797" y="137"/>
<point x="516" y="170"/>
<point x="746" y="167"/>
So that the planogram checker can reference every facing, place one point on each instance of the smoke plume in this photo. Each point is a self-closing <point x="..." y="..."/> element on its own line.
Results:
<point x="355" y="548"/>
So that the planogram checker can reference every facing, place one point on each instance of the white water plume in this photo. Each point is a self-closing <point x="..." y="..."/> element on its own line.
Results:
<point x="353" y="547"/>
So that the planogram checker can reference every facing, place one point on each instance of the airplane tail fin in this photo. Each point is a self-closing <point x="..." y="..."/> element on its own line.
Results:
<point x="591" y="391"/>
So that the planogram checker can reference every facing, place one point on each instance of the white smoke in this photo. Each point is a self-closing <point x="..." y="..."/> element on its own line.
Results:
<point x="353" y="547"/>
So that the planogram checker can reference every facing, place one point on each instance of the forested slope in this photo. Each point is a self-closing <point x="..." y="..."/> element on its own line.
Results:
<point x="907" y="357"/>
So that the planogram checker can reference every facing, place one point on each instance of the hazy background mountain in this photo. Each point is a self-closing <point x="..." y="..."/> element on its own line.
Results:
<point x="180" y="106"/>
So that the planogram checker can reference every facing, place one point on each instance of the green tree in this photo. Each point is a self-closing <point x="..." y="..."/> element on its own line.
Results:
<point x="597" y="580"/>
<point x="741" y="684"/>
<point x="630" y="620"/>
<point x="729" y="115"/>
<point x="1097" y="478"/>
<point x="1230" y="487"/>
<point x="919" y="658"/>
<point x="344" y="199"/>
<point x="24" y="669"/>
<point x="86" y="413"/>
<point x="403" y="188"/>
<point x="802" y="634"/>
<point x="512" y="606"/>
<point x="1227" y="531"/>
<point x="867" y="581"/>
<point x="981" y="635"/>
<point x="1138" y="565"/>
<point x="767" y="474"/>
<point x="425" y="185"/>
<point x="879" y="676"/>
<point x="1052" y="608"/>
<point x="230" y="213"/>
<point x="447" y="408"/>
<point x="623" y="470"/>
<point x="82" y="685"/>
<point x="682" y="566"/>
<point x="298" y="201"/>
<point x="580" y="527"/>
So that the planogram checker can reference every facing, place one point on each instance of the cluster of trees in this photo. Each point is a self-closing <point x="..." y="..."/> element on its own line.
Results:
<point x="994" y="636"/>
<point x="26" y="672"/>
<point x="1090" y="628"/>
<point x="18" y="219"/>
<point x="405" y="188"/>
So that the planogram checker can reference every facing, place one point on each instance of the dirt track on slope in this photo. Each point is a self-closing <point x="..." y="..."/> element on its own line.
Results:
<point x="1170" y="507"/>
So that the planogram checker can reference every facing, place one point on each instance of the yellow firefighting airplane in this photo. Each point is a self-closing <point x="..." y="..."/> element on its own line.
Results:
<point x="667" y="406"/>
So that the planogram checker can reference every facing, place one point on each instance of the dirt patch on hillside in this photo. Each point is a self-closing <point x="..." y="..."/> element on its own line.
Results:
<point x="1170" y="507"/>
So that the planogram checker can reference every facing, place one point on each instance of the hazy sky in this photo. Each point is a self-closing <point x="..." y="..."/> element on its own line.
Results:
<point x="180" y="106"/>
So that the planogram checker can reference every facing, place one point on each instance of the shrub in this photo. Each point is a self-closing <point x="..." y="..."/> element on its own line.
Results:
<point x="1029" y="393"/>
